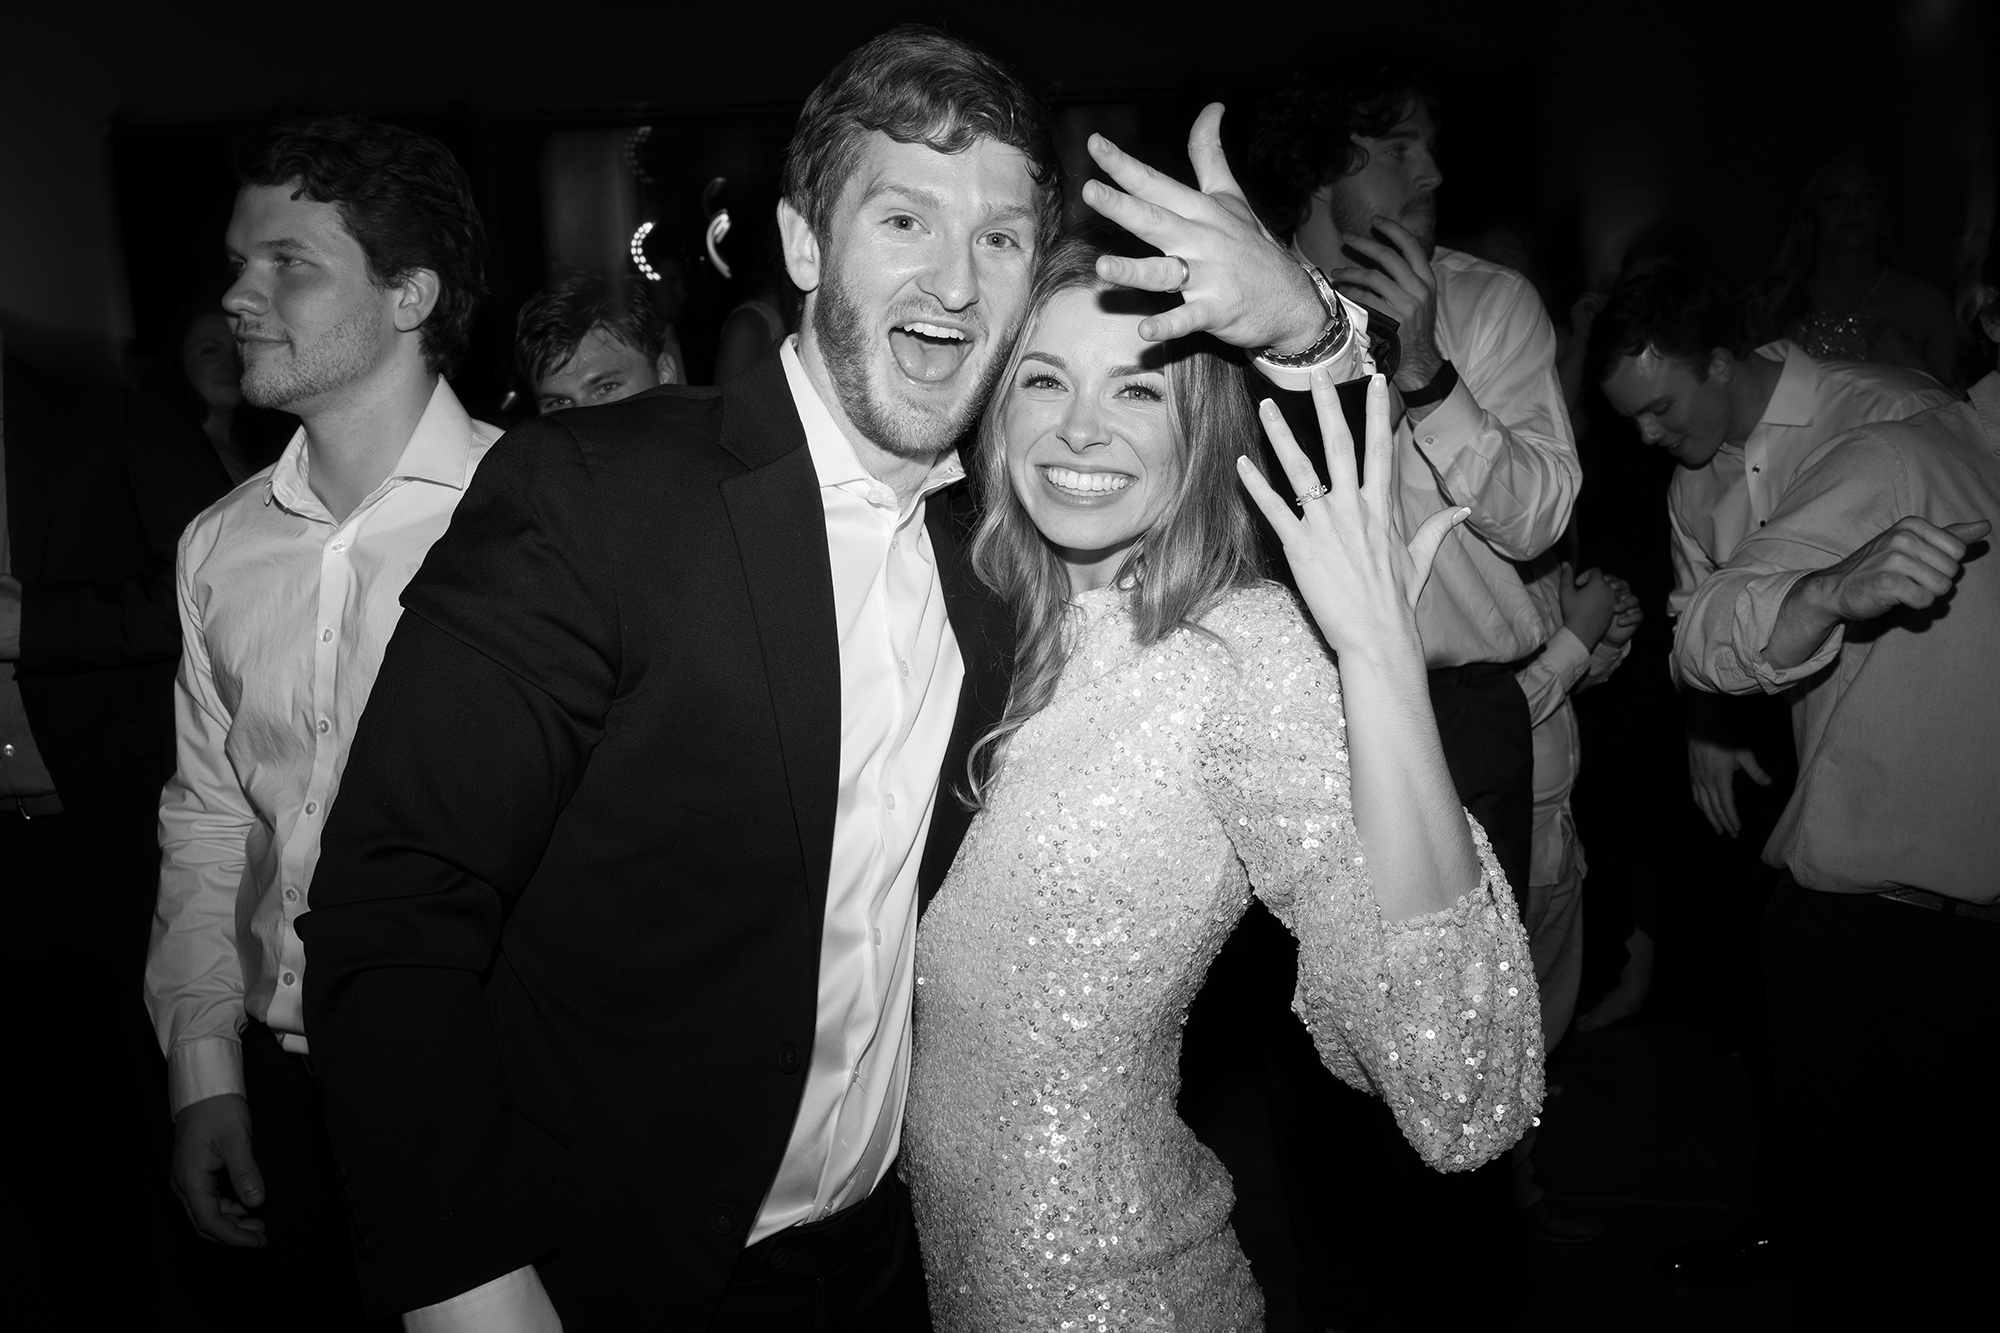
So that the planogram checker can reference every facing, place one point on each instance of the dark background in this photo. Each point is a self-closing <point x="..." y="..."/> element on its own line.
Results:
<point x="1580" y="124"/>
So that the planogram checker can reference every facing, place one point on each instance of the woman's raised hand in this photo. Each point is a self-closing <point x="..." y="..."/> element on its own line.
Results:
<point x="1359" y="576"/>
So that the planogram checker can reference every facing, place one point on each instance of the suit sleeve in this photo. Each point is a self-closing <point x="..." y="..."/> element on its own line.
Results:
<point x="491" y="696"/>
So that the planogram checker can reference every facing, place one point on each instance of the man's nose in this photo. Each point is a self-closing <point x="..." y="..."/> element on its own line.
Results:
<point x="952" y="280"/>
<point x="1430" y="176"/>
<point x="1649" y="429"/>
<point x="243" y="298"/>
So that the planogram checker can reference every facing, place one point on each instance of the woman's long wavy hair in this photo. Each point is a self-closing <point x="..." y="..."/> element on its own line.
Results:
<point x="1778" y="298"/>
<point x="1203" y="546"/>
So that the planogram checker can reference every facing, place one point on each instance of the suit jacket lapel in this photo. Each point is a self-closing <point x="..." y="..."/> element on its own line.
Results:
<point x="780" y="529"/>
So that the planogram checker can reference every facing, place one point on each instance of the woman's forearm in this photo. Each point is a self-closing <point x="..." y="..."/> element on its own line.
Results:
<point x="1413" y="829"/>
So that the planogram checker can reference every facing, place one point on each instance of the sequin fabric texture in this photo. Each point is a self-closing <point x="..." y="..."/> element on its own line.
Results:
<point x="1055" y="1185"/>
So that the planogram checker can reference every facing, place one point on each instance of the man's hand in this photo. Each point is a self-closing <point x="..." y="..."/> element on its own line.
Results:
<point x="1241" y="285"/>
<point x="1626" y="613"/>
<point x="1588" y="604"/>
<point x="1712" y="773"/>
<point x="1911" y="563"/>
<point x="211" y="1138"/>
<point x="1406" y="291"/>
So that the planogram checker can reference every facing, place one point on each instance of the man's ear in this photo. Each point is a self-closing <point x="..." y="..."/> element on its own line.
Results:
<point x="800" y="245"/>
<point x="663" y="366"/>
<point x="416" y="296"/>
<point x="1721" y="365"/>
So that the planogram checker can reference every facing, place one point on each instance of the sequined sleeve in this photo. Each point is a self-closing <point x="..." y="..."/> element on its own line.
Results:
<point x="1437" y="1015"/>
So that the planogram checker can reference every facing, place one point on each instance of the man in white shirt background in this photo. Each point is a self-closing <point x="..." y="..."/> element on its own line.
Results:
<point x="1344" y="172"/>
<point x="359" y="255"/>
<point x="1671" y="356"/>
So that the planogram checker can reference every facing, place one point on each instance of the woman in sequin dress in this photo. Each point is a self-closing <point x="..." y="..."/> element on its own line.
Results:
<point x="1176" y="740"/>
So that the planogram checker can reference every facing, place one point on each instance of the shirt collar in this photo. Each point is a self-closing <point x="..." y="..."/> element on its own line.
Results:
<point x="1985" y="397"/>
<point x="833" y="457"/>
<point x="439" y="450"/>
<point x="1793" y="400"/>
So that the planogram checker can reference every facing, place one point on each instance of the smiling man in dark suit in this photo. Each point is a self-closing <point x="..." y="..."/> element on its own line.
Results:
<point x="611" y="935"/>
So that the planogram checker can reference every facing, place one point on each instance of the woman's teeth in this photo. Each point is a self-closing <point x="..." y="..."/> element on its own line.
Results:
<point x="1090" y="483"/>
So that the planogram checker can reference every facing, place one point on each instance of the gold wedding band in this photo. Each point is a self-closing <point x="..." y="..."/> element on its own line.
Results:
<point x="1186" y="273"/>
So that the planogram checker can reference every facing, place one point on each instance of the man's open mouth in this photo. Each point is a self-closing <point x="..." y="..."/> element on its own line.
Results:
<point x="1077" y="483"/>
<point x="928" y="352"/>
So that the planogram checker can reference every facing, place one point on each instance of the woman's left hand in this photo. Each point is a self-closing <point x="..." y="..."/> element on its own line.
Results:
<point x="1358" y="575"/>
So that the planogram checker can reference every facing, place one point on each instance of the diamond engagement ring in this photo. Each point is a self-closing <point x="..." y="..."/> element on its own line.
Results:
<point x="1186" y="273"/>
<point x="1307" y="497"/>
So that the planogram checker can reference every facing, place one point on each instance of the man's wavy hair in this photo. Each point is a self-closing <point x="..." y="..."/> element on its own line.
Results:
<point x="554" y="322"/>
<point x="1202" y="547"/>
<point x="1304" y="135"/>
<point x="404" y="199"/>
<point x="917" y="85"/>
<point x="1671" y="309"/>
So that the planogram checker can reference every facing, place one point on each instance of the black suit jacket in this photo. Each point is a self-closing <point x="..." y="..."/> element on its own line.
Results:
<point x="565" y="930"/>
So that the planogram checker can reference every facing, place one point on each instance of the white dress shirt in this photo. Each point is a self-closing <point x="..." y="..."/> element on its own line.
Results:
<point x="900" y="672"/>
<point x="1714" y="507"/>
<point x="1500" y="444"/>
<point x="285" y="613"/>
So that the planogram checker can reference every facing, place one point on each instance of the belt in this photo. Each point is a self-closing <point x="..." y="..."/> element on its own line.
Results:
<point x="30" y="807"/>
<point x="1472" y="673"/>
<point x="1937" y="902"/>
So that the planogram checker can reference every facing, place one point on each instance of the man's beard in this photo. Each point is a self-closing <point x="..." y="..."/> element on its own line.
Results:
<point x="283" y="374"/>
<point x="905" y="429"/>
<point x="1355" y="220"/>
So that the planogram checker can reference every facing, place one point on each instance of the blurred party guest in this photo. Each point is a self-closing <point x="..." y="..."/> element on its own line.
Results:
<point x="1835" y="288"/>
<point x="246" y="439"/>
<point x="1345" y="174"/>
<point x="1871" y="599"/>
<point x="761" y="322"/>
<point x="582" y="342"/>
<point x="359" y="261"/>
<point x="1739" y="423"/>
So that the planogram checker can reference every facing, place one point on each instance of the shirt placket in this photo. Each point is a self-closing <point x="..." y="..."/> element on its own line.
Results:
<point x="330" y="626"/>
<point x="1756" y="459"/>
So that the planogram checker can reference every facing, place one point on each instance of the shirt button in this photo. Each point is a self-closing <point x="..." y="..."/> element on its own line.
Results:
<point x="1755" y="468"/>
<point x="324" y="726"/>
<point x="878" y="937"/>
<point x="903" y="665"/>
<point x="312" y="807"/>
<point x="7" y="749"/>
<point x="291" y="895"/>
<point x="338" y="547"/>
<point x="889" y="799"/>
<point x="326" y="636"/>
<point x="290" y="977"/>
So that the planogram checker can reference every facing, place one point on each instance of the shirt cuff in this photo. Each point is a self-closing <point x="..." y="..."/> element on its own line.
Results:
<point x="1566" y="656"/>
<point x="203" y="1068"/>
<point x="515" y="1303"/>
<point x="1758" y="605"/>
<point x="1349" y="360"/>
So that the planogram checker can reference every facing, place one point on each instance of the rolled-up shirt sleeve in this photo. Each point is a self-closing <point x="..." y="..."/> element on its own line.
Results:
<point x="1500" y="443"/>
<point x="1720" y="640"/>
<point x="194" y="978"/>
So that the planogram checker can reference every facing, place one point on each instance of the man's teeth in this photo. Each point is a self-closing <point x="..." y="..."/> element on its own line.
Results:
<point x="934" y="331"/>
<point x="1087" y="481"/>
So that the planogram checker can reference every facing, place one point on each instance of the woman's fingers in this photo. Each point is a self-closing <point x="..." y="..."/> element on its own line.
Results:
<point x="1424" y="547"/>
<point x="1276" y="512"/>
<point x="1335" y="436"/>
<point x="1298" y="468"/>
<point x="1384" y="471"/>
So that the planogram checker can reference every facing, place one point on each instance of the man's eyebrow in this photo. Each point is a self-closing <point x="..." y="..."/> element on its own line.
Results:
<point x="289" y="245"/>
<point x="922" y="198"/>
<point x="1012" y="213"/>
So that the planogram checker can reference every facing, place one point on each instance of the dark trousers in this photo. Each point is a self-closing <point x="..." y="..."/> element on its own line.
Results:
<point x="1482" y="718"/>
<point x="1886" y="1062"/>
<point x="309" y="1257"/>
<point x="855" y="1272"/>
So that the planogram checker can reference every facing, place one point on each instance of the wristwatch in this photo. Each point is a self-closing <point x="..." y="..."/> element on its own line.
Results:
<point x="1439" y="388"/>
<point x="1337" y="326"/>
